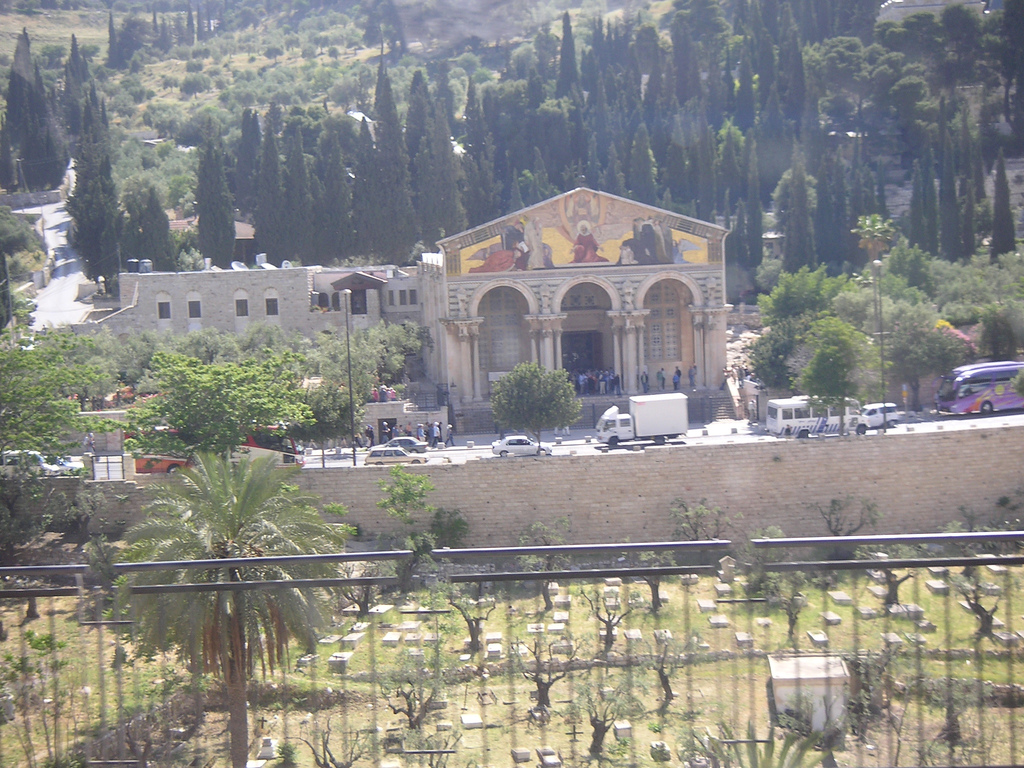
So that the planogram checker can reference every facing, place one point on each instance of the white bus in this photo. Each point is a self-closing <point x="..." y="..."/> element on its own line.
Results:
<point x="794" y="417"/>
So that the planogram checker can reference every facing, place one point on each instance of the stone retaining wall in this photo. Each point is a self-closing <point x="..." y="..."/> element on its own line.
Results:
<point x="919" y="482"/>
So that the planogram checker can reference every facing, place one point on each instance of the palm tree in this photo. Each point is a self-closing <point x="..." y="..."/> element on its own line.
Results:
<point x="223" y="509"/>
<point x="875" y="233"/>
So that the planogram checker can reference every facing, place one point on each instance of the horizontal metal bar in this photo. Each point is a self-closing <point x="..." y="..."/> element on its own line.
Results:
<point x="908" y="538"/>
<point x="576" y="549"/>
<point x="894" y="564"/>
<point x="44" y="570"/>
<point x="233" y="562"/>
<point x="594" y="573"/>
<point x="24" y="594"/>
<point x="242" y="586"/>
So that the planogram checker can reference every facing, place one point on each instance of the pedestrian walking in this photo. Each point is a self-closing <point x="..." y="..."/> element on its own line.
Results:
<point x="449" y="438"/>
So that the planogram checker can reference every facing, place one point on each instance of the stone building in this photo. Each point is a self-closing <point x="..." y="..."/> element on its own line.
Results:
<point x="306" y="300"/>
<point x="582" y="281"/>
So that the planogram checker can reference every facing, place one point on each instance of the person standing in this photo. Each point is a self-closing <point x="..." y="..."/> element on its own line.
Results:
<point x="692" y="374"/>
<point x="676" y="378"/>
<point x="369" y="433"/>
<point x="661" y="379"/>
<point x="645" y="382"/>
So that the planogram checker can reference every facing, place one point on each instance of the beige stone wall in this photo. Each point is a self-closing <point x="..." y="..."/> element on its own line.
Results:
<point x="919" y="482"/>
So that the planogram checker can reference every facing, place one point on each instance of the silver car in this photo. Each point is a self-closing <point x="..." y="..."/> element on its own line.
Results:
<point x="519" y="445"/>
<point x="380" y="454"/>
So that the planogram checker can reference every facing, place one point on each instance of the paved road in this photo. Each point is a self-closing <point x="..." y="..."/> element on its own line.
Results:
<point x="57" y="304"/>
<point x="715" y="433"/>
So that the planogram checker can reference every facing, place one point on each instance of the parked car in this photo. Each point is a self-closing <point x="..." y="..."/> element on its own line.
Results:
<point x="381" y="454"/>
<point x="873" y="413"/>
<point x="35" y="461"/>
<point x="519" y="445"/>
<point x="408" y="444"/>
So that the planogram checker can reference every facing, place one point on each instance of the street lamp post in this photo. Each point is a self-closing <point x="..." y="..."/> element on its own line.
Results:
<point x="876" y="273"/>
<point x="348" y="360"/>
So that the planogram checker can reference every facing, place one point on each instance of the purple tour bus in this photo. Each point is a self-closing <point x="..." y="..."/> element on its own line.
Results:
<point x="979" y="388"/>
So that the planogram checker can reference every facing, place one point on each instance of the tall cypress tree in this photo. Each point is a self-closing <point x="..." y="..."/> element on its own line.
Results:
<point x="394" y="231"/>
<point x="481" y="198"/>
<point x="745" y="109"/>
<point x="949" y="211"/>
<point x="798" y="230"/>
<point x="333" y="231"/>
<point x="930" y="203"/>
<point x="642" y="172"/>
<point x="214" y="205"/>
<point x="568" y="73"/>
<point x="1003" y="232"/>
<point x="146" y="232"/>
<point x="365" y="205"/>
<point x="755" y="212"/>
<point x="247" y="162"/>
<point x="7" y="178"/>
<point x="268" y="214"/>
<point x="94" y="205"/>
<point x="297" y="203"/>
<point x="967" y="221"/>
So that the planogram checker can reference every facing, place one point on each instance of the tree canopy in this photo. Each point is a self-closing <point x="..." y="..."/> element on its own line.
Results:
<point x="214" y="406"/>
<point x="532" y="398"/>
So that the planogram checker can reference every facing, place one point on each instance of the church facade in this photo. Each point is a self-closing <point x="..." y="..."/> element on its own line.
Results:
<point x="583" y="281"/>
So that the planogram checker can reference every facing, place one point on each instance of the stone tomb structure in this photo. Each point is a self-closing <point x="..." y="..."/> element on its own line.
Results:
<point x="582" y="281"/>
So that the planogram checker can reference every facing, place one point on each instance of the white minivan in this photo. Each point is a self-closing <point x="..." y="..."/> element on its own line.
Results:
<point x="795" y="417"/>
<point x="873" y="414"/>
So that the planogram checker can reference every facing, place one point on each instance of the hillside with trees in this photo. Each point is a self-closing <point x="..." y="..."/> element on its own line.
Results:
<point x="795" y="115"/>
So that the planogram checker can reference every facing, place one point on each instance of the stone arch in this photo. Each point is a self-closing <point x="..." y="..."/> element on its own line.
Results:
<point x="669" y="341"/>
<point x="532" y="302"/>
<point x="699" y="299"/>
<point x="568" y="285"/>
<point x="504" y="333"/>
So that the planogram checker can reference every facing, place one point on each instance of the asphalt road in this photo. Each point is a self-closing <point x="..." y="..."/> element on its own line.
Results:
<point x="715" y="433"/>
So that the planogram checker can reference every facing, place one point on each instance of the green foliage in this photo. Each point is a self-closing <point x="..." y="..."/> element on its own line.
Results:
<point x="449" y="528"/>
<point x="830" y="376"/>
<point x="224" y="509"/>
<point x="801" y="293"/>
<point x="214" y="406"/>
<point x="532" y="398"/>
<point x="795" y="750"/>
<point x="405" y="495"/>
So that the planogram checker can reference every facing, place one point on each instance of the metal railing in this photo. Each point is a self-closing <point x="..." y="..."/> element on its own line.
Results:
<point x="889" y="650"/>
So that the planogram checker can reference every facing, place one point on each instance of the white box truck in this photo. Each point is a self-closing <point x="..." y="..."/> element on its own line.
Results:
<point x="650" y="417"/>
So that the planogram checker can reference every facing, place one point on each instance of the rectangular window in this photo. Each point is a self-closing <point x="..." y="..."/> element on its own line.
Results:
<point x="163" y="310"/>
<point x="403" y="298"/>
<point x="195" y="309"/>
<point x="391" y="298"/>
<point x="241" y="307"/>
<point x="271" y="306"/>
<point x="412" y="296"/>
<point x="359" y="302"/>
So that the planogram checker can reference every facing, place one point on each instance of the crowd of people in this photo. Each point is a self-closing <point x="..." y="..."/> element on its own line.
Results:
<point x="597" y="382"/>
<point x="433" y="434"/>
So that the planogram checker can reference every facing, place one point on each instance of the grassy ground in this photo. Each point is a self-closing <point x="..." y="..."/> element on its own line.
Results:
<point x="724" y="684"/>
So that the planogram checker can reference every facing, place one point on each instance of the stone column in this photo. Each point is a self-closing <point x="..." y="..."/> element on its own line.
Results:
<point x="536" y="323"/>
<point x="715" y="343"/>
<point x="618" y="322"/>
<point x="474" y="338"/>
<point x="553" y="338"/>
<point x="629" y="361"/>
<point x="638" y="323"/>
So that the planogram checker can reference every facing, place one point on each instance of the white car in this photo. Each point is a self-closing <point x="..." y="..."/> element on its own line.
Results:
<point x="519" y="445"/>
<point x="36" y="462"/>
<point x="873" y="413"/>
